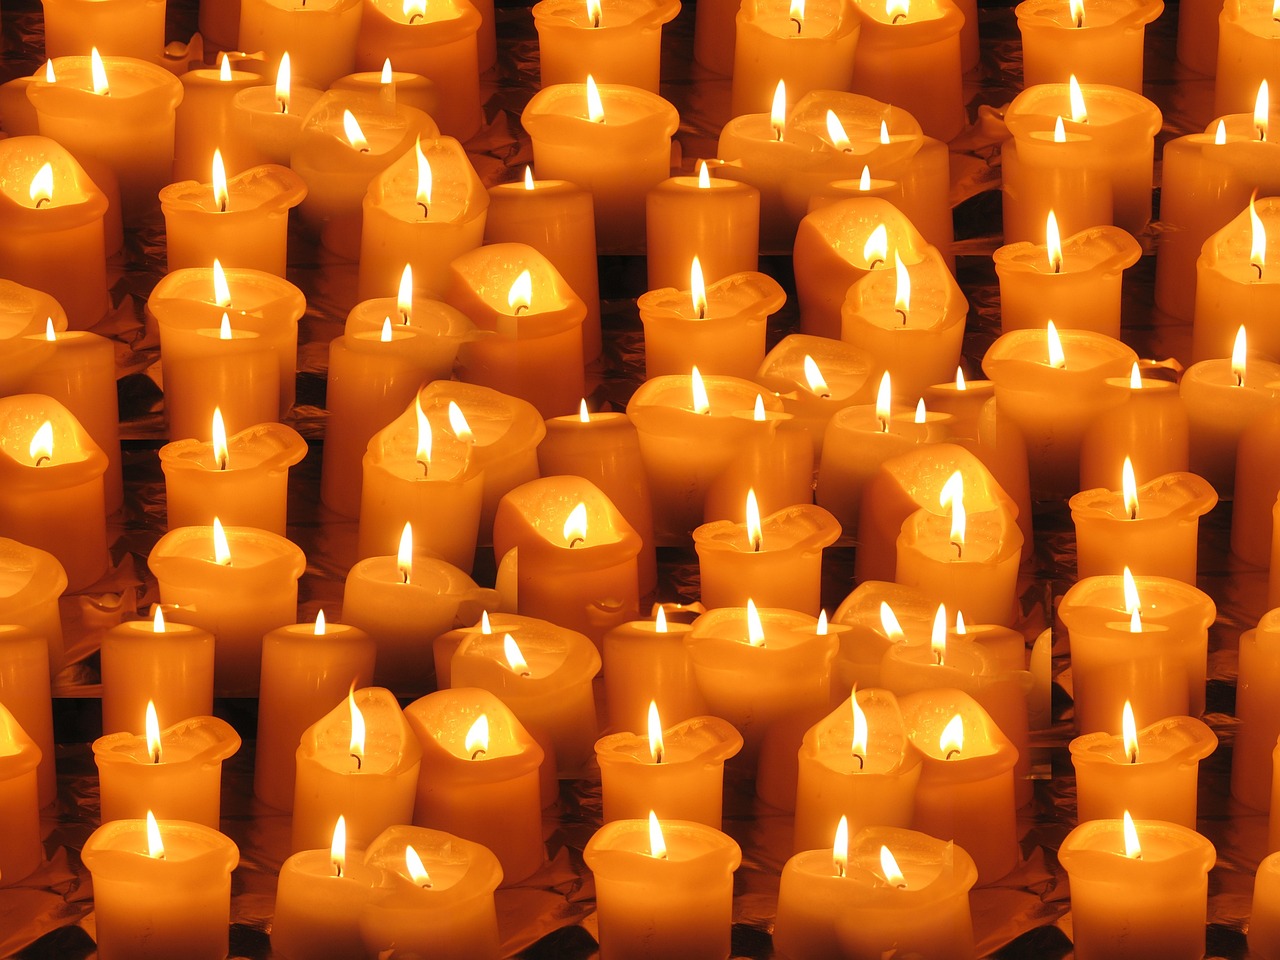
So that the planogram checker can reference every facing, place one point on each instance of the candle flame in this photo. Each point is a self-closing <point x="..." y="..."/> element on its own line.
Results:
<point x="424" y="434"/>
<point x="594" y="12"/>
<point x="922" y="412"/>
<point x="1053" y="242"/>
<point x="404" y="555"/>
<point x="486" y="627"/>
<point x="864" y="181"/>
<point x="357" y="727"/>
<point x="1135" y="377"/>
<point x="224" y="328"/>
<point x="584" y="415"/>
<point x="1262" y="111"/>
<point x="157" y="622"/>
<point x="876" y="249"/>
<point x="813" y="376"/>
<point x="1132" y="602"/>
<point x="701" y="403"/>
<point x="476" y="742"/>
<point x="660" y="620"/>
<point x="520" y="296"/>
<point x="221" y="289"/>
<point x="49" y="76"/>
<point x="960" y="384"/>
<point x="1059" y="131"/>
<point x="413" y="864"/>
<point x="351" y="129"/>
<point x="338" y="846"/>
<point x="953" y="493"/>
<point x="49" y="333"/>
<point x="1079" y="113"/>
<point x="595" y="108"/>
<point x="1129" y="731"/>
<point x="424" y="179"/>
<point x="1239" y="356"/>
<point x="385" y="336"/>
<point x="897" y="9"/>
<point x="938" y="635"/>
<point x="1220" y="134"/>
<point x="960" y="623"/>
<point x="704" y="176"/>
<point x="221" y="549"/>
<point x="528" y="177"/>
<point x="458" y="423"/>
<point x="219" y="433"/>
<point x="889" y="622"/>
<point x="884" y="397"/>
<point x="155" y="845"/>
<point x="152" y="727"/>
<point x="952" y="739"/>
<point x="821" y="629"/>
<point x="320" y="629"/>
<point x="657" y="844"/>
<point x="404" y="295"/>
<point x="219" y="181"/>
<point x="1129" y="489"/>
<point x="902" y="298"/>
<point x="1057" y="358"/>
<point x="889" y="867"/>
<point x="836" y="132"/>
<point x="414" y="9"/>
<point x="575" y="525"/>
<point x="778" y="112"/>
<point x="755" y="536"/>
<point x="656" y="746"/>
<point x="41" y="447"/>
<point x="840" y="847"/>
<point x="1132" y="848"/>
<point x="1258" y="247"/>
<point x="697" y="289"/>
<point x="757" y="412"/>
<point x="797" y="14"/>
<point x="515" y="658"/>
<point x="755" y="629"/>
<point x="884" y="132"/>
<point x="41" y="190"/>
<point x="861" y="733"/>
<point x="388" y="75"/>
<point x="283" y="94"/>
<point x="99" y="73"/>
<point x="1077" y="12"/>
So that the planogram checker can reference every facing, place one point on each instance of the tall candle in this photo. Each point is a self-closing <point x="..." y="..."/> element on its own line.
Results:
<point x="20" y="848"/>
<point x="320" y="39"/>
<point x="26" y="692"/>
<point x="166" y="662"/>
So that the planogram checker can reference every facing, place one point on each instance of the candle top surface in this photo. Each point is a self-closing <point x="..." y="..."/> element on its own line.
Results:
<point x="786" y="632"/>
<point x="613" y="14"/>
<point x="928" y="16"/>
<point x="1175" y="496"/>
<point x="931" y="869"/>
<point x="389" y="748"/>
<point x="550" y="653"/>
<point x="737" y="298"/>
<point x="314" y="7"/>
<point x="29" y="577"/>
<point x="929" y="298"/>
<point x="544" y="520"/>
<point x="886" y="750"/>
<point x="66" y="444"/>
<point x="804" y="527"/>
<point x="1098" y="15"/>
<point x="845" y="369"/>
<point x="196" y="740"/>
<point x="502" y="426"/>
<point x="513" y="290"/>
<point x="67" y="185"/>
<point x="118" y="850"/>
<point x="1096" y="849"/>
<point x="264" y="446"/>
<point x="1256" y="16"/>
<point x="454" y="865"/>
<point x="1178" y="740"/>
<point x="1231" y="251"/>
<point x="424" y="14"/>
<point x="132" y="83"/>
<point x="187" y="553"/>
<point x="862" y="119"/>
<point x="1164" y="602"/>
<point x="662" y="397"/>
<point x="1096" y="250"/>
<point x="434" y="182"/>
<point x="254" y="294"/>
<point x="929" y="716"/>
<point x="990" y="536"/>
<point x="559" y="112"/>
<point x="848" y="227"/>
<point x="448" y="725"/>
<point x="1020" y="359"/>
<point x="387" y="133"/>
<point x="1115" y="114"/>
<point x="819" y="19"/>
<point x="698" y="740"/>
<point x="618" y="843"/>
<point x="268" y="186"/>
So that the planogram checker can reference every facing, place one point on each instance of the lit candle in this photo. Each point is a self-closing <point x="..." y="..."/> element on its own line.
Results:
<point x="31" y="581"/>
<point x="24" y="332"/>
<point x="1257" y="485"/>
<point x="615" y="41"/>
<point x="1148" y="426"/>
<point x="319" y="39"/>
<point x="646" y="661"/>
<point x="874" y="617"/>
<point x="1246" y="52"/>
<point x="170" y="664"/>
<point x="25" y="691"/>
<point x="204" y="119"/>
<point x="267" y="120"/>
<point x="1237" y="280"/>
<point x="1097" y="43"/>
<point x="711" y="217"/>
<point x="411" y="89"/>
<point x="1053" y="169"/>
<point x="21" y="851"/>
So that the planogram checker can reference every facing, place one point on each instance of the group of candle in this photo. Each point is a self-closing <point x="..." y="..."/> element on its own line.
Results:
<point x="897" y="731"/>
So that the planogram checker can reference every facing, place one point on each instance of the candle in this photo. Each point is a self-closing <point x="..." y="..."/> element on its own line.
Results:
<point x="1076" y="282"/>
<point x="320" y="895"/>
<point x="160" y="889"/>
<point x="411" y="89"/>
<point x="646" y="661"/>
<point x="25" y="691"/>
<point x="856" y="765"/>
<point x="480" y="776"/>
<point x="237" y="583"/>
<point x="1031" y="366"/>
<point x="714" y="38"/>
<point x="1148" y="426"/>
<point x="51" y="472"/>
<point x="1256" y="488"/>
<point x="535" y="347"/>
<point x="909" y="55"/>
<point x="1246" y="50"/>
<point x="775" y="459"/>
<point x="31" y="581"/>
<point x="346" y="140"/>
<point x="425" y="209"/>
<point x="360" y="758"/>
<point x="1235" y="280"/>
<point x="557" y="219"/>
<point x="619" y="41"/>
<point x="966" y="790"/>
<point x="169" y="664"/>
<point x="615" y="141"/>
<point x="575" y="554"/>
<point x="1142" y="639"/>
<point x="203" y="120"/>
<point x="52" y="215"/>
<point x="679" y="770"/>
<point x="884" y="891"/>
<point x="712" y="218"/>
<point x="1151" y="772"/>
<point x="543" y="673"/>
<point x="306" y="669"/>
<point x="437" y="897"/>
<point x="1163" y="867"/>
<point x="1097" y="43"/>
<point x="1152" y="529"/>
<point x="662" y="889"/>
<point x="24" y="332"/>
<point x="240" y="222"/>
<point x="1264" y="915"/>
<point x="1198" y="35"/>
<point x="320" y="38"/>
<point x="176" y="771"/>
<point x="438" y="40"/>
<point x="21" y="851"/>
<point x="122" y="28"/>
<point x="267" y="121"/>
<point x="808" y="45"/>
<point x="775" y="560"/>
<point x="131" y="103"/>
<point x="1259" y="728"/>
<point x="242" y="479"/>
<point x="871" y="619"/>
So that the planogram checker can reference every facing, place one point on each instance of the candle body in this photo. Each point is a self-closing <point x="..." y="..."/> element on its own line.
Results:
<point x="1104" y="47"/>
<point x="124" y="28"/>
<point x="1233" y="283"/>
<point x="1149" y="426"/>
<point x="31" y="581"/>
<point x="317" y="912"/>
<point x="25" y="691"/>
<point x="1251" y="771"/>
<point x="719" y="223"/>
<point x="643" y="665"/>
<point x="1220" y="406"/>
<point x="172" y="668"/>
<point x="751" y="153"/>
<point x="20" y="848"/>
<point x="1040" y="173"/>
<point x="625" y="46"/>
<point x="203" y="120"/>
<point x="320" y="39"/>
<point x="1248" y="39"/>
<point x="1264" y="917"/>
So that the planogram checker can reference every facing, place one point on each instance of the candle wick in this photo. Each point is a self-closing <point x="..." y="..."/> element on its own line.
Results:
<point x="595" y="20"/>
<point x="1057" y="266"/>
<point x="875" y="263"/>
<point x="799" y="24"/>
<point x="1239" y="383"/>
<point x="358" y="759"/>
<point x="937" y="658"/>
<point x="702" y="313"/>
<point x="1133" y="513"/>
<point x="1133" y="755"/>
<point x="426" y="884"/>
<point x="897" y="17"/>
<point x="425" y="212"/>
<point x="155" y="755"/>
<point x="42" y="460"/>
<point x="953" y="752"/>
<point x="284" y="104"/>
<point x="901" y="313"/>
<point x="575" y="541"/>
<point x="416" y="16"/>
<point x="364" y="149"/>
<point x="884" y="425"/>
<point x="222" y="462"/>
<point x="658" y="754"/>
<point x="426" y="466"/>
<point x="525" y="673"/>
<point x="222" y="205"/>
<point x="959" y="549"/>
<point x="861" y="762"/>
<point x="41" y="202"/>
<point x="839" y="869"/>
<point x="337" y="870"/>
<point x="404" y="577"/>
<point x="476" y="755"/>
<point x="1258" y="267"/>
<point x="521" y="306"/>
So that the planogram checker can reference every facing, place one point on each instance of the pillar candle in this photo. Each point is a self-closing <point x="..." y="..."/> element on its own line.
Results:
<point x="1236" y="280"/>
<point x="666" y="889"/>
<point x="1096" y="44"/>
<point x="646" y="661"/>
<point x="1174" y="860"/>
<point x="361" y="761"/>
<point x="25" y="692"/>
<point x="31" y="581"/>
<point x="51" y="472"/>
<point x="710" y="217"/>
<point x="21" y="851"/>
<point x="1264" y="918"/>
<point x="713" y="35"/>
<point x="267" y="121"/>
<point x="243" y="224"/>
<point x="319" y="38"/>
<point x="1247" y="44"/>
<point x="1259" y="728"/>
<point x="681" y="772"/>
<point x="203" y="120"/>
<point x="1053" y="169"/>
<point x="535" y="348"/>
<point x="120" y="28"/>
<point x="479" y="779"/>
<point x="168" y="663"/>
<point x="775" y="459"/>
<point x="237" y="590"/>
<point x="1198" y="35"/>
<point x="575" y="554"/>
<point x="24" y="327"/>
<point x="1256" y="488"/>
<point x="53" y="227"/>
<point x="966" y="791"/>
<point x="1160" y="666"/>
<point x="1149" y="426"/>
<point x="307" y="668"/>
<point x="719" y="328"/>
<point x="446" y="910"/>
<point x="617" y="41"/>
<point x="242" y="479"/>
<point x="176" y="771"/>
<point x="425" y="209"/>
